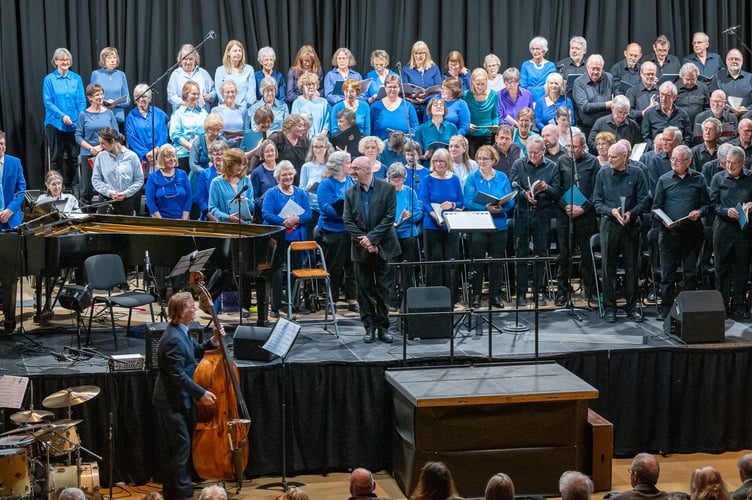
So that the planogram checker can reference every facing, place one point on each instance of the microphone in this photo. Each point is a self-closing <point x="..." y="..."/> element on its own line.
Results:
<point x="732" y="29"/>
<point x="516" y="185"/>
<point x="398" y="65"/>
<point x="560" y="69"/>
<point x="212" y="34"/>
<point x="240" y="193"/>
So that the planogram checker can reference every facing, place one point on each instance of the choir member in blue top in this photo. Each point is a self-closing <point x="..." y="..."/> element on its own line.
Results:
<point x="267" y="58"/>
<point x="114" y="83"/>
<point x="394" y="148"/>
<point x="293" y="219"/>
<point x="513" y="98"/>
<point x="371" y="147"/>
<point x="554" y="97"/>
<point x="455" y="68"/>
<point x="234" y="116"/>
<point x="226" y="186"/>
<point x="216" y="153"/>
<point x="190" y="71"/>
<point x="90" y="121"/>
<point x="64" y="99"/>
<point x="533" y="72"/>
<point x="436" y="129"/>
<point x="198" y="158"/>
<point x="488" y="244"/>
<point x="483" y="104"/>
<point x="313" y="169"/>
<point x="253" y="137"/>
<point x="392" y="112"/>
<point x="332" y="235"/>
<point x="262" y="176"/>
<point x="235" y="68"/>
<point x="268" y="89"/>
<point x="311" y="103"/>
<point x="441" y="191"/>
<point x="457" y="112"/>
<point x="421" y="71"/>
<point x="145" y="125"/>
<point x="306" y="61"/>
<point x="168" y="191"/>
<point x="416" y="172"/>
<point x="186" y="123"/>
<point x="342" y="60"/>
<point x="525" y="119"/>
<point x="351" y="89"/>
<point x="408" y="216"/>
<point x="380" y="65"/>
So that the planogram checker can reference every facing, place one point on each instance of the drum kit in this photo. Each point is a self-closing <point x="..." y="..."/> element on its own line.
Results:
<point x="42" y="456"/>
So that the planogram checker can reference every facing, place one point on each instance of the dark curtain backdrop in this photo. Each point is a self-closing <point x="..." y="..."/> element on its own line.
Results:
<point x="148" y="34"/>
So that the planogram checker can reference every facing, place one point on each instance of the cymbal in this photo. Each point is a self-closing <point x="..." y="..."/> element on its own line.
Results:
<point x="71" y="396"/>
<point x="31" y="416"/>
<point x="26" y="429"/>
<point x="65" y="423"/>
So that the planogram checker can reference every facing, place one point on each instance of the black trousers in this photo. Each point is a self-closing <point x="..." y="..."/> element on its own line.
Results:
<point x="176" y="430"/>
<point x="492" y="244"/>
<point x="63" y="152"/>
<point x="731" y="246"/>
<point x="679" y="246"/>
<point x="9" y="282"/>
<point x="583" y="228"/>
<point x="617" y="239"/>
<point x="440" y="245"/>
<point x="85" y="188"/>
<point x="375" y="279"/>
<point x="532" y="225"/>
<point x="336" y="247"/>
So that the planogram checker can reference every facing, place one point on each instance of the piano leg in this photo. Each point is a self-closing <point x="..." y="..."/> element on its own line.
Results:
<point x="261" y="301"/>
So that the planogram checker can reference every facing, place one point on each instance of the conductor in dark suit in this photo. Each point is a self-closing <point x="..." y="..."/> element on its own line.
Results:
<point x="174" y="394"/>
<point x="370" y="208"/>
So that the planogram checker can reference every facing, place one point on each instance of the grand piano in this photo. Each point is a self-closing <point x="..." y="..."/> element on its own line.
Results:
<point x="51" y="245"/>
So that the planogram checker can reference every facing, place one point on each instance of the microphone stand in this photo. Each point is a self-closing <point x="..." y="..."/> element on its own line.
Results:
<point x="732" y="32"/>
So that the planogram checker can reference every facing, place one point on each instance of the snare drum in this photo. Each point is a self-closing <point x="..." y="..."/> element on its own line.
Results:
<point x="28" y="443"/>
<point x="14" y="474"/>
<point x="66" y="476"/>
<point x="61" y="441"/>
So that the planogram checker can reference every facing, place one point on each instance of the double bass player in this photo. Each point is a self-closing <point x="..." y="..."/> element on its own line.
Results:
<point x="175" y="393"/>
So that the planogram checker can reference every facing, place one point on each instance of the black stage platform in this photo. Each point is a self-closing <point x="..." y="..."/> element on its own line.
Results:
<point x="661" y="395"/>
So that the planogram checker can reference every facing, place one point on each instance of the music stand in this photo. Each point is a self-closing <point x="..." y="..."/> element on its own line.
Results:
<point x="280" y="341"/>
<point x="192" y="262"/>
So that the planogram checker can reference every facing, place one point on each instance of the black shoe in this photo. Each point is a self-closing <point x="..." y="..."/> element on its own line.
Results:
<point x="354" y="307"/>
<point x="593" y="297"/>
<point x="385" y="336"/>
<point x="741" y="313"/>
<point x="662" y="313"/>
<point x="560" y="301"/>
<point x="542" y="300"/>
<point x="274" y="314"/>
<point x="610" y="316"/>
<point x="635" y="316"/>
<point x="370" y="336"/>
<point x="497" y="303"/>
<point x="476" y="302"/>
<point x="521" y="301"/>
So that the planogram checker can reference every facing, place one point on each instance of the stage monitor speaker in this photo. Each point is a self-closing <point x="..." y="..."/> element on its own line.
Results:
<point x="154" y="332"/>
<point x="247" y="343"/>
<point x="429" y="299"/>
<point x="697" y="317"/>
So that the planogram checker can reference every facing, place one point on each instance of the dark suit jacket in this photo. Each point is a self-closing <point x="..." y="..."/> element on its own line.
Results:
<point x="14" y="186"/>
<point x="177" y="355"/>
<point x="379" y="226"/>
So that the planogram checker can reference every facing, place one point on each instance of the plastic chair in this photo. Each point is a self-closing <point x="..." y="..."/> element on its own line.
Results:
<point x="312" y="273"/>
<point x="106" y="272"/>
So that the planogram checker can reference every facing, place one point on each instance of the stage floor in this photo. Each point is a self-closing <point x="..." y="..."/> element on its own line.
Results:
<point x="558" y="332"/>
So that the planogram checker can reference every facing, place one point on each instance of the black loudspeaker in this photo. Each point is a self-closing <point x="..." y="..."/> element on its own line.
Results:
<point x="154" y="332"/>
<point x="697" y="317"/>
<point x="247" y="343"/>
<point x="74" y="297"/>
<point x="429" y="299"/>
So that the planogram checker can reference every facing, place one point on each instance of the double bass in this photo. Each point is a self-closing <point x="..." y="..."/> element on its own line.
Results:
<point x="220" y="439"/>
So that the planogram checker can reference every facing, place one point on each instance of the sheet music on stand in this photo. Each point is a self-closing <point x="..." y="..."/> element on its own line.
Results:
<point x="12" y="391"/>
<point x="282" y="337"/>
<point x="192" y="262"/>
<point x="480" y="220"/>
